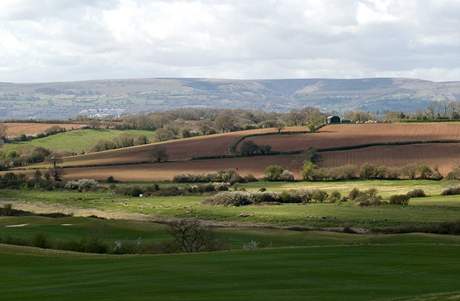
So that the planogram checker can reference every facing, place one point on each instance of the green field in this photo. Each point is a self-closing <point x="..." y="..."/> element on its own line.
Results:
<point x="432" y="209"/>
<point x="425" y="271"/>
<point x="285" y="265"/>
<point x="76" y="141"/>
<point x="110" y="231"/>
<point x="385" y="187"/>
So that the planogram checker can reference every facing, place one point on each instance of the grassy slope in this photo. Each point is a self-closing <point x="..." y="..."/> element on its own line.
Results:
<point x="422" y="210"/>
<point x="385" y="187"/>
<point x="366" y="272"/>
<point x="76" y="228"/>
<point x="75" y="141"/>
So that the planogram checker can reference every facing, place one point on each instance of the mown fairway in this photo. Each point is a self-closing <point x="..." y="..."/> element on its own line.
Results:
<point x="75" y="141"/>
<point x="369" y="272"/>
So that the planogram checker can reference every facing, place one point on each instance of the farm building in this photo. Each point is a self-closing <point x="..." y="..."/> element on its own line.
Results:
<point x="333" y="119"/>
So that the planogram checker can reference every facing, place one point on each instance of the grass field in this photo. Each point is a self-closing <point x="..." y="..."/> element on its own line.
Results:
<point x="286" y="265"/>
<point x="420" y="211"/>
<point x="76" y="141"/>
<point x="110" y="231"/>
<point x="401" y="271"/>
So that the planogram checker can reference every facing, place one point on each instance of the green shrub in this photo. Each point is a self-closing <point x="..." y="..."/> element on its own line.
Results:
<point x="249" y="148"/>
<point x="399" y="199"/>
<point x="308" y="170"/>
<point x="273" y="172"/>
<point x="416" y="193"/>
<point x="287" y="176"/>
<point x="353" y="194"/>
<point x="235" y="198"/>
<point x="454" y="174"/>
<point x="334" y="197"/>
<point x="319" y="196"/>
<point x="451" y="191"/>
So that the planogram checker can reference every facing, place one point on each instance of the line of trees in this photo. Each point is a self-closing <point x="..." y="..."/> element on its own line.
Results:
<point x="189" y="122"/>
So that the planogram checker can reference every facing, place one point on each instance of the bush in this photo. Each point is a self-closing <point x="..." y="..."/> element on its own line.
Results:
<point x="426" y="173"/>
<point x="242" y="198"/>
<point x="82" y="185"/>
<point x="454" y="174"/>
<point x="273" y="172"/>
<point x="334" y="197"/>
<point x="353" y="194"/>
<point x="308" y="170"/>
<point x="111" y="180"/>
<point x="451" y="191"/>
<point x="159" y="155"/>
<point x="416" y="193"/>
<point x="235" y="198"/>
<point x="399" y="199"/>
<point x="319" y="196"/>
<point x="7" y="210"/>
<point x="249" y="148"/>
<point x="286" y="175"/>
<point x="228" y="176"/>
<point x="365" y="198"/>
<point x="103" y="145"/>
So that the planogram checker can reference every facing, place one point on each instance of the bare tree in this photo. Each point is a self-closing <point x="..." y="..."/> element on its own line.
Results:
<point x="55" y="171"/>
<point x="191" y="236"/>
<point x="159" y="155"/>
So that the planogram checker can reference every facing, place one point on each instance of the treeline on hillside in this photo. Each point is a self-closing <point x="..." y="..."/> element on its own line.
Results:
<point x="22" y="157"/>
<point x="188" y="122"/>
<point x="436" y="111"/>
<point x="124" y="140"/>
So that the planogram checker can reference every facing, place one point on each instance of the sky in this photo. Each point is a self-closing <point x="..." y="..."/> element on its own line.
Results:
<point x="67" y="40"/>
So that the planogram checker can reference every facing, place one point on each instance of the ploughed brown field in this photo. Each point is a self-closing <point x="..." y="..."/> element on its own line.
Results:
<point x="133" y="163"/>
<point x="167" y="171"/>
<point x="358" y="134"/>
<point x="445" y="156"/>
<point x="14" y="129"/>
<point x="177" y="150"/>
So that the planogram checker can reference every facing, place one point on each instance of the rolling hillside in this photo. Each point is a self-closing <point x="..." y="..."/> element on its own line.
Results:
<point x="114" y="97"/>
<point x="75" y="141"/>
<point x="435" y="144"/>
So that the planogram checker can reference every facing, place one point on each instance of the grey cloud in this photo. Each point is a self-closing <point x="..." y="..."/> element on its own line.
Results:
<point x="89" y="39"/>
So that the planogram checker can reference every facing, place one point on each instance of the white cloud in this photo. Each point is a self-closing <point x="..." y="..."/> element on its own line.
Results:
<point x="87" y="39"/>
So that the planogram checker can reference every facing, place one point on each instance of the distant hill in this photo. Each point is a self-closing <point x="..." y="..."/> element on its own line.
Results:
<point x="112" y="97"/>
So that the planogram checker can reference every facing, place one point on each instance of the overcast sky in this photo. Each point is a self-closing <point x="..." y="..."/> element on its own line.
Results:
<point x="60" y="40"/>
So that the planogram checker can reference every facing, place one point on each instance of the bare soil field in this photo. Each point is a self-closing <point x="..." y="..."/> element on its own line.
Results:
<point x="132" y="164"/>
<point x="32" y="129"/>
<point x="357" y="134"/>
<point x="166" y="171"/>
<point x="444" y="156"/>
<point x="183" y="149"/>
